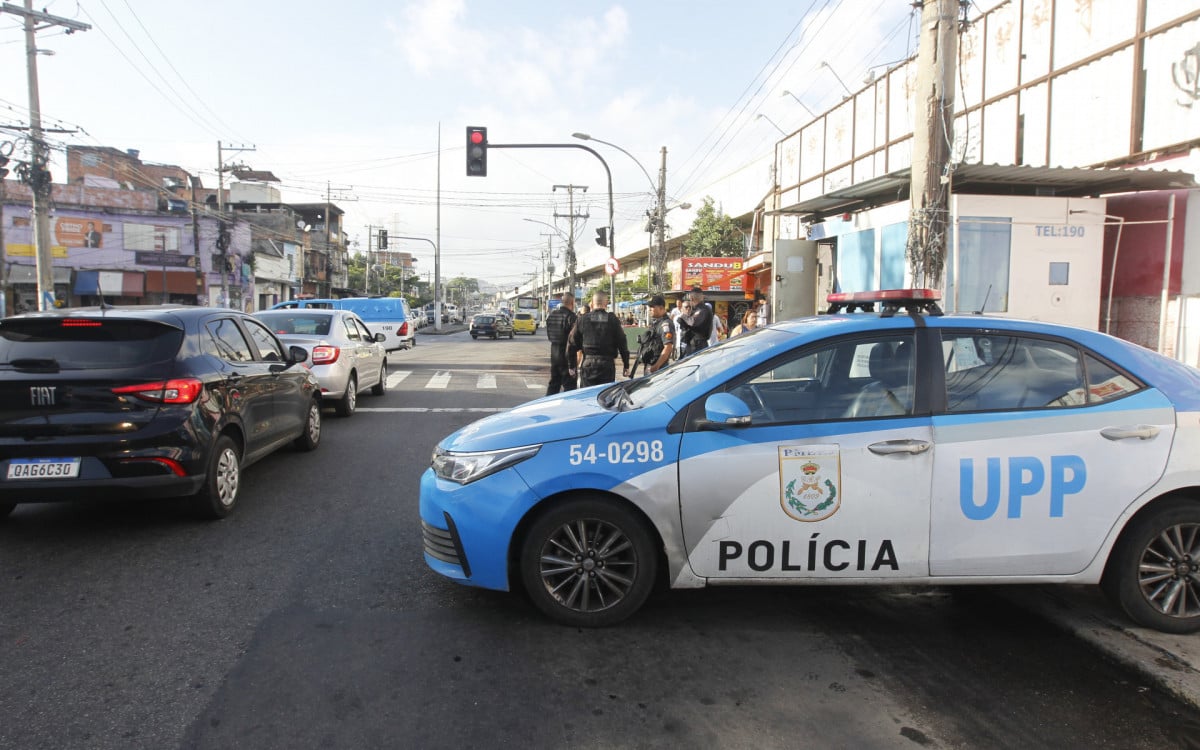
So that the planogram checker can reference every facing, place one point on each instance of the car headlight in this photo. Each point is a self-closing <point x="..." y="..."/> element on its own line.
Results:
<point x="465" y="468"/>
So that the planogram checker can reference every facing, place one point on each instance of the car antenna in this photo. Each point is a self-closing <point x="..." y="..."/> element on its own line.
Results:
<point x="985" y="299"/>
<point x="103" y="305"/>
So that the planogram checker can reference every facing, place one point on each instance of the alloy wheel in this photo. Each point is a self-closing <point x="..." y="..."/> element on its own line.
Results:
<point x="1169" y="571"/>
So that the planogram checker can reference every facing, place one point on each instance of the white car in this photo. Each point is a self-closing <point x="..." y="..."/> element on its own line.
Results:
<point x="342" y="352"/>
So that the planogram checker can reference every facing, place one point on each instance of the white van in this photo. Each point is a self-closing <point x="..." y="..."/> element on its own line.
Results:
<point x="453" y="314"/>
<point x="387" y="315"/>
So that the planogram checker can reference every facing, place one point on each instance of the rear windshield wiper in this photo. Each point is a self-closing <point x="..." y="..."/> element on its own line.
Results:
<point x="35" y="364"/>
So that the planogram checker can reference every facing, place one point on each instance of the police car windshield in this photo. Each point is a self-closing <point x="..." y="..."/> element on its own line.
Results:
<point x="707" y="366"/>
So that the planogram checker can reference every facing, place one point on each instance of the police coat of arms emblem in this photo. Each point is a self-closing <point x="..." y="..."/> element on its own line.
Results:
<point x="809" y="478"/>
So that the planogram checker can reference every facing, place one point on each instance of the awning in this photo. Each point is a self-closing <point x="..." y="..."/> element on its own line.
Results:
<point x="110" y="283"/>
<point x="20" y="273"/>
<point x="178" y="282"/>
<point x="993" y="179"/>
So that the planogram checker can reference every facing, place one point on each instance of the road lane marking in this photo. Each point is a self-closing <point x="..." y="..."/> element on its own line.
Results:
<point x="534" y="385"/>
<point x="432" y="409"/>
<point x="486" y="380"/>
<point x="440" y="379"/>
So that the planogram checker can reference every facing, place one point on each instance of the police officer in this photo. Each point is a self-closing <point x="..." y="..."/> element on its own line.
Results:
<point x="661" y="333"/>
<point x="596" y="339"/>
<point x="697" y="324"/>
<point x="558" y="327"/>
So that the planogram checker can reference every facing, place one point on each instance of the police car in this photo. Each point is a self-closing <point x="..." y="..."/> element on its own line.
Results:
<point x="857" y="447"/>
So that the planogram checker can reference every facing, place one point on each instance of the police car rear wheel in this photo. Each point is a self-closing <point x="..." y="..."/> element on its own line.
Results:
<point x="5" y="509"/>
<point x="588" y="563"/>
<point x="1155" y="571"/>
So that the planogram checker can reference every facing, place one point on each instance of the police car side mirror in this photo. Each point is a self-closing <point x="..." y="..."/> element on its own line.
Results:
<point x="380" y="337"/>
<point x="724" y="410"/>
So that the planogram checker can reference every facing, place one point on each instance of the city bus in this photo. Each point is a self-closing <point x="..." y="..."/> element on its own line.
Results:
<point x="531" y="304"/>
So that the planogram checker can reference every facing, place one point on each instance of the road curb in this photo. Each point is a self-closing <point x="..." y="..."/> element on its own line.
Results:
<point x="1171" y="662"/>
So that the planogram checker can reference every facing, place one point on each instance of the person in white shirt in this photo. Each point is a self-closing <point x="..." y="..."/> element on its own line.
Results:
<point x="676" y="311"/>
<point x="718" y="328"/>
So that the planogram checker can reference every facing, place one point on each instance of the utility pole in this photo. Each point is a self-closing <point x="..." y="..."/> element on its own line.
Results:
<point x="193" y="181"/>
<point x="571" y="234"/>
<point x="37" y="174"/>
<point x="222" y="169"/>
<point x="930" y="189"/>
<point x="367" y="266"/>
<point x="659" y="265"/>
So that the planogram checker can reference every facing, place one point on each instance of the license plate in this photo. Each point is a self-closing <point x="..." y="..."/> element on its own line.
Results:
<point x="43" y="468"/>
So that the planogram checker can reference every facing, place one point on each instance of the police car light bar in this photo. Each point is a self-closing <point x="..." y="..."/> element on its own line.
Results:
<point x="916" y="301"/>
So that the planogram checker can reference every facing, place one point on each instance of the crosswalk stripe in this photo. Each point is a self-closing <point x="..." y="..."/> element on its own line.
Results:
<point x="445" y="379"/>
<point x="397" y="377"/>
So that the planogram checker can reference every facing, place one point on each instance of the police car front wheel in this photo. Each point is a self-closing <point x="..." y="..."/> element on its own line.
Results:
<point x="589" y="562"/>
<point x="1154" y="574"/>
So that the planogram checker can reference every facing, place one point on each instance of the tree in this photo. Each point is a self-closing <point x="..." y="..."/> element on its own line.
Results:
<point x="713" y="234"/>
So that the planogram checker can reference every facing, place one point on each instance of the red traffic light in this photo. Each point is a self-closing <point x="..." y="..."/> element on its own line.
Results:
<point x="477" y="146"/>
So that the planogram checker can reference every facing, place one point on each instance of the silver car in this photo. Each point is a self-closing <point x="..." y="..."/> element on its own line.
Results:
<point x="342" y="352"/>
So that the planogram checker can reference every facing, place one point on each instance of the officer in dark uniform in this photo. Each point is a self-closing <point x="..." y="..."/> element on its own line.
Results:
<point x="558" y="327"/>
<point x="696" y="324"/>
<point x="596" y="339"/>
<point x="660" y="343"/>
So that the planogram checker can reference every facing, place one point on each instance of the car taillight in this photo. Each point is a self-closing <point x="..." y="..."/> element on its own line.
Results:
<point x="169" y="464"/>
<point x="325" y="355"/>
<point x="177" y="391"/>
<point x="404" y="328"/>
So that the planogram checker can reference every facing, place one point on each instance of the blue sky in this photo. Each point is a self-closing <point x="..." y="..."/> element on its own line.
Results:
<point x="352" y="94"/>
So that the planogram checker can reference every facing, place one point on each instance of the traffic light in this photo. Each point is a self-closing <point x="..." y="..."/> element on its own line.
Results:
<point x="383" y="239"/>
<point x="3" y="166"/>
<point x="602" y="236"/>
<point x="477" y="152"/>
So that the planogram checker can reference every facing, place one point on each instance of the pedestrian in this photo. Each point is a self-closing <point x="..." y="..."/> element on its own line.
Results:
<point x="660" y="337"/>
<point x="676" y="311"/>
<point x="719" y="329"/>
<point x="697" y="322"/>
<point x="594" y="341"/>
<point x="749" y="323"/>
<point x="558" y="327"/>
<point x="761" y="308"/>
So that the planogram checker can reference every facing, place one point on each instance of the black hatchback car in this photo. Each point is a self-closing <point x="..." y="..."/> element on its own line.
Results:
<point x="491" y="325"/>
<point x="146" y="402"/>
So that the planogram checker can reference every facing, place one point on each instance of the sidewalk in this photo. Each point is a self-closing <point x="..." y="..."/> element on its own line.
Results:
<point x="1172" y="662"/>
<point x="446" y="328"/>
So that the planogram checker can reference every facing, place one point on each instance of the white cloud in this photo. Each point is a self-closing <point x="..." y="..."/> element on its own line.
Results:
<point x="521" y="63"/>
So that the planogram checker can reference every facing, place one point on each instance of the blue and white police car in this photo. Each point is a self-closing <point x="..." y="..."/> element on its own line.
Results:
<point x="857" y="447"/>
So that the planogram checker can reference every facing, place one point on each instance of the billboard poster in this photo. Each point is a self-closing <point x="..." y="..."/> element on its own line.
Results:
<point x="72" y="231"/>
<point x="715" y="274"/>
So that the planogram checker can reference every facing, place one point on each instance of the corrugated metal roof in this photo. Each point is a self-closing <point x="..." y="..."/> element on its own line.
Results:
<point x="995" y="179"/>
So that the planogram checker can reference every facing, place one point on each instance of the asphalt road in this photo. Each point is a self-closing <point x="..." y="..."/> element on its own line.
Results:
<point x="308" y="619"/>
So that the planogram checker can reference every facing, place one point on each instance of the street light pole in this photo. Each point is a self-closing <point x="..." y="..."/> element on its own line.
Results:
<point x="435" y="254"/>
<point x="660" y="195"/>
<point x="612" y="240"/>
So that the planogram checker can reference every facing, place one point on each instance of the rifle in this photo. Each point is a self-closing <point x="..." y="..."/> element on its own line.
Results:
<point x="643" y="341"/>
